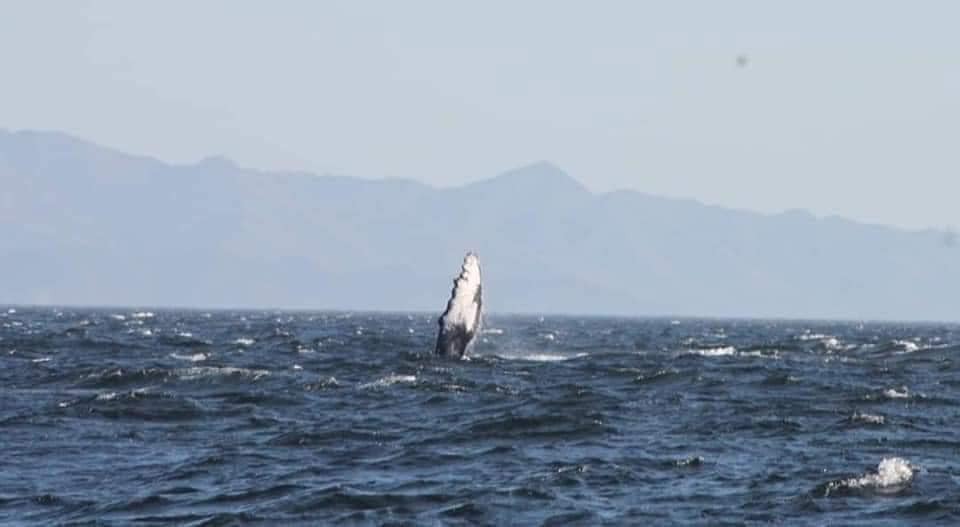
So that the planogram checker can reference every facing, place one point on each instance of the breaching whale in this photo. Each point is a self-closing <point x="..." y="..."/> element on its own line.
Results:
<point x="460" y="322"/>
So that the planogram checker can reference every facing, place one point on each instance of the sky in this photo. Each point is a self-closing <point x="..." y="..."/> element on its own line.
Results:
<point x="846" y="108"/>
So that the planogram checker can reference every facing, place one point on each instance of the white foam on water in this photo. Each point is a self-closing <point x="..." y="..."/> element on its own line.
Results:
<point x="724" y="351"/>
<point x="390" y="380"/>
<point x="118" y="317"/>
<point x="693" y="461"/>
<point x="200" y="372"/>
<point x="893" y="474"/>
<point x="142" y="314"/>
<point x="493" y="331"/>
<point x="832" y="343"/>
<point x="146" y="332"/>
<point x="767" y="354"/>
<point x="41" y="359"/>
<point x="869" y="419"/>
<point x="108" y="396"/>
<point x="892" y="393"/>
<point x="196" y="357"/>
<point x="908" y="345"/>
<point x="540" y="357"/>
<point x="549" y="336"/>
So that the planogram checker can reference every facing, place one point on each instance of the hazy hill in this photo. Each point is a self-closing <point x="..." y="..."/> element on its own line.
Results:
<point x="83" y="224"/>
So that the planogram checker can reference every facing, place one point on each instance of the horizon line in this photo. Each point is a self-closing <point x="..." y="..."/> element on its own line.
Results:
<point x="4" y="308"/>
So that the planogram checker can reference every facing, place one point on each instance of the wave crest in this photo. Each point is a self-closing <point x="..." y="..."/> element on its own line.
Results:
<point x="893" y="475"/>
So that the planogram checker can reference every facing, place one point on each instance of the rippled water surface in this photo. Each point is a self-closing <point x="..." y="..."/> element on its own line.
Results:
<point x="121" y="416"/>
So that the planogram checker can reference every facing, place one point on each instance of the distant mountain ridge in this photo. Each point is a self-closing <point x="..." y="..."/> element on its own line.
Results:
<point x="85" y="224"/>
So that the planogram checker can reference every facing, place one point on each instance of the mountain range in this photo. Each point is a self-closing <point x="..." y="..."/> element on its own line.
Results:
<point x="89" y="225"/>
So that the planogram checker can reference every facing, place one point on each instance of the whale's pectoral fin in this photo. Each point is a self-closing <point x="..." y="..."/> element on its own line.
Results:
<point x="460" y="322"/>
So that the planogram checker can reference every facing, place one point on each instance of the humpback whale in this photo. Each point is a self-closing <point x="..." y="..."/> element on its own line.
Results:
<point x="460" y="322"/>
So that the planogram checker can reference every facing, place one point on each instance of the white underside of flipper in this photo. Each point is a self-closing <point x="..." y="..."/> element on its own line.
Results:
<point x="461" y="321"/>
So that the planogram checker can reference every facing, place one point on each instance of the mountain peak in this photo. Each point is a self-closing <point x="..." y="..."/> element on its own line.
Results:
<point x="542" y="175"/>
<point x="217" y="163"/>
<point x="541" y="169"/>
<point x="542" y="166"/>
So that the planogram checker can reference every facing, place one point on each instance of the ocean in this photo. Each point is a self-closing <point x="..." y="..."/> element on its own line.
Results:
<point x="165" y="417"/>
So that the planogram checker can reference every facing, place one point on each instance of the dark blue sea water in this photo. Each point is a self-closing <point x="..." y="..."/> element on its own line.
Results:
<point x="119" y="416"/>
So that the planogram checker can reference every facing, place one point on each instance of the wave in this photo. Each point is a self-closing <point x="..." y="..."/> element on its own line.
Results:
<point x="545" y="425"/>
<point x="323" y="384"/>
<point x="121" y="377"/>
<point x="905" y="346"/>
<point x="136" y="405"/>
<point x="657" y="376"/>
<point x="893" y="393"/>
<point x="689" y="462"/>
<point x="196" y="357"/>
<point x="893" y="475"/>
<point x="540" y="357"/>
<point x="868" y="419"/>
<point x="202" y="372"/>
<point x="723" y="351"/>
<point x="390" y="380"/>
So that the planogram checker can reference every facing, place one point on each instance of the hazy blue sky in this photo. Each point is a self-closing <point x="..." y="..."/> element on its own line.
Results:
<point x="847" y="108"/>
